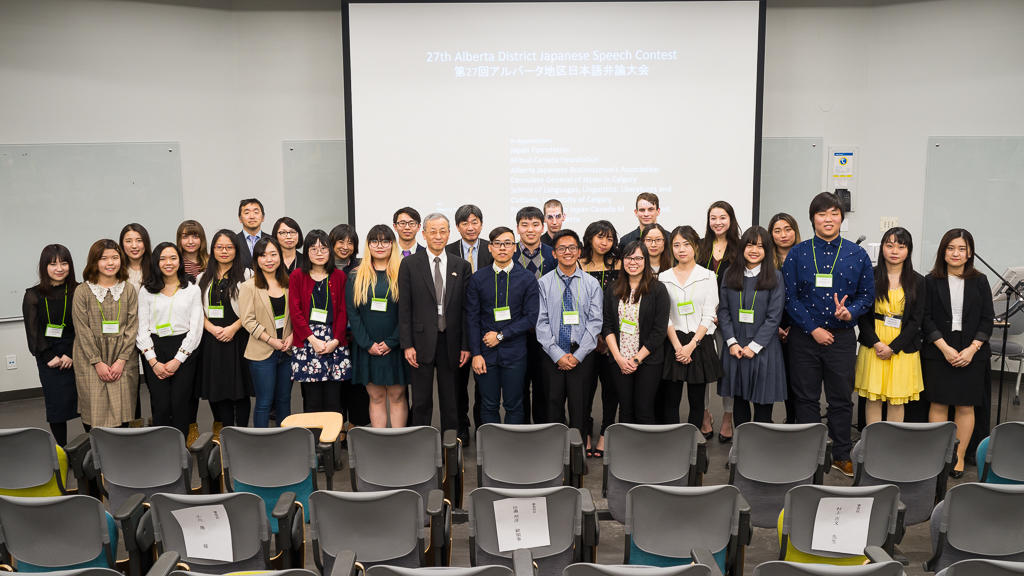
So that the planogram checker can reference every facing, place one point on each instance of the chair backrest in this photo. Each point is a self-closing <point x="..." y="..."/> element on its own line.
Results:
<point x="385" y="570"/>
<point x="1005" y="455"/>
<point x="638" y="454"/>
<point x="35" y="452"/>
<point x="914" y="456"/>
<point x="395" y="458"/>
<point x="75" y="572"/>
<point x="564" y="511"/>
<point x="766" y="460"/>
<point x="586" y="569"/>
<point x="980" y="521"/>
<point x="289" y="572"/>
<point x="669" y="521"/>
<point x="247" y="517"/>
<point x="51" y="533"/>
<point x="141" y="461"/>
<point x="522" y="455"/>
<point x="780" y="568"/>
<point x="802" y="506"/>
<point x="380" y="527"/>
<point x="983" y="567"/>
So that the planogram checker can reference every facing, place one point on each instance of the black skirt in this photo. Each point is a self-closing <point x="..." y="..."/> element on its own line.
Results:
<point x="945" y="384"/>
<point x="704" y="366"/>
<point x="59" y="392"/>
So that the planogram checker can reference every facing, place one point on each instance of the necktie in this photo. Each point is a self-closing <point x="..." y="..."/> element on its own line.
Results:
<point x="406" y="253"/>
<point x="564" y="330"/>
<point x="469" y="256"/>
<point x="439" y="292"/>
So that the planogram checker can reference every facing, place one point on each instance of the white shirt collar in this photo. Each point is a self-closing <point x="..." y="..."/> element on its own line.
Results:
<point x="508" y="268"/>
<point x="751" y="272"/>
<point x="101" y="293"/>
<point x="443" y="256"/>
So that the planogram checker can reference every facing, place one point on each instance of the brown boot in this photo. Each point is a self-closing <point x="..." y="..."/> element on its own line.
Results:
<point x="193" y="434"/>
<point x="216" y="431"/>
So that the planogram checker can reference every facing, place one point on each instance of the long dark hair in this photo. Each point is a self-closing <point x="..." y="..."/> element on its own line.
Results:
<point x="315" y="237"/>
<point x="621" y="286"/>
<point x="732" y="236"/>
<point x="788" y="219"/>
<point x="908" y="279"/>
<point x="55" y="253"/>
<point x="600" y="228"/>
<point x="155" y="282"/>
<point x="280" y="274"/>
<point x="665" y="259"/>
<point x="767" y="277"/>
<point x="235" y="275"/>
<point x="939" y="269"/>
<point x="147" y="248"/>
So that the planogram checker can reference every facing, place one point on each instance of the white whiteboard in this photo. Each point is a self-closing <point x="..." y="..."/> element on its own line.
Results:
<point x="75" y="194"/>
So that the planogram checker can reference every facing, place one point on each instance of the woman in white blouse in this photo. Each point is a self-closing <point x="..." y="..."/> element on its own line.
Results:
<point x="170" y="329"/>
<point x="693" y="292"/>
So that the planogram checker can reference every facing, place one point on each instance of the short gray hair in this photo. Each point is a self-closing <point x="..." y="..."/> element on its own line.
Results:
<point x="435" y="216"/>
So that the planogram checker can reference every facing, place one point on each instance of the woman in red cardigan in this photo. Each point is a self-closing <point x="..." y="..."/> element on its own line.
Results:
<point x="317" y="305"/>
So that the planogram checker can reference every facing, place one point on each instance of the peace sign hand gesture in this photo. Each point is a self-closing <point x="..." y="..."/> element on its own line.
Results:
<point x="842" y="312"/>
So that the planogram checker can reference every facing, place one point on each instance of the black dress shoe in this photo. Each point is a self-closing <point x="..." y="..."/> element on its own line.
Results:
<point x="956" y="474"/>
<point x="724" y="439"/>
<point x="464" y="437"/>
<point x="709" y="435"/>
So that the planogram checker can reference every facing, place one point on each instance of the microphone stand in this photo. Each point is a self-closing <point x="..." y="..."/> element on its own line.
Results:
<point x="1010" y="289"/>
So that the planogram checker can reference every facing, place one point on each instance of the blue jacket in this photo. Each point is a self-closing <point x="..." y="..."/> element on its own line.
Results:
<point x="523" y="302"/>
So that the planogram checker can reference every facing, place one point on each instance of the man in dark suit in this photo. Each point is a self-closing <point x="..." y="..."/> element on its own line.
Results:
<point x="431" y="286"/>
<point x="538" y="259"/>
<point x="647" y="209"/>
<point x="469" y="221"/>
<point x="250" y="214"/>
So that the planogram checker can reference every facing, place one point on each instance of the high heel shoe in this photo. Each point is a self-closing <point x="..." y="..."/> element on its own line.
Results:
<point x="710" y="433"/>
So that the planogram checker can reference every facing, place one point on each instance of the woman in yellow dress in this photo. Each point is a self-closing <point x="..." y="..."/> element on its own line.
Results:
<point x="889" y="361"/>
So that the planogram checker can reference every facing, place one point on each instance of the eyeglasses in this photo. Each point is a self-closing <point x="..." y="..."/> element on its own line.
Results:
<point x="379" y="243"/>
<point x="287" y="233"/>
<point x="318" y="249"/>
<point x="407" y="223"/>
<point x="223" y="247"/>
<point x="503" y="244"/>
<point x="634" y="259"/>
<point x="654" y="240"/>
<point x="570" y="249"/>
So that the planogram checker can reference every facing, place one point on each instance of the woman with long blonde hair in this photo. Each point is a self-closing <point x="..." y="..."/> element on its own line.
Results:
<point x="373" y="316"/>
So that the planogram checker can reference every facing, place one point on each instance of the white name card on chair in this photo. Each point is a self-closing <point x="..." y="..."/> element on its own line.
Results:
<point x="841" y="525"/>
<point x="207" y="532"/>
<point x="521" y="523"/>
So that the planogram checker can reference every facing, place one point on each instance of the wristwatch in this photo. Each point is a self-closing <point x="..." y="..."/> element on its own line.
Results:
<point x="499" y="336"/>
<point x="636" y="360"/>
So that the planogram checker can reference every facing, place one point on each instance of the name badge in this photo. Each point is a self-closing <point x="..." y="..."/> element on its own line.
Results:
<point x="279" y="322"/>
<point x="318" y="315"/>
<point x="164" y="330"/>
<point x="628" y="327"/>
<point x="822" y="280"/>
<point x="892" y="322"/>
<point x="502" y="314"/>
<point x="685" y="308"/>
<point x="216" y="312"/>
<point x="379" y="304"/>
<point x="54" y="330"/>
<point x="570" y="317"/>
<point x="111" y="327"/>
<point x="746" y="316"/>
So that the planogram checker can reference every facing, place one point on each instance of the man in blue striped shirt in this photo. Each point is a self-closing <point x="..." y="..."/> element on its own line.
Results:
<point x="829" y="284"/>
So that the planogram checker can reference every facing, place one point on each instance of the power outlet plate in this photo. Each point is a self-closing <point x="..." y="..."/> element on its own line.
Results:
<point x="12" y="362"/>
<point x="887" y="222"/>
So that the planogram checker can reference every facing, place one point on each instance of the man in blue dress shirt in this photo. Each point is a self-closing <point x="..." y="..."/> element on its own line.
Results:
<point x="501" y="312"/>
<point x="829" y="284"/>
<point x="568" y="326"/>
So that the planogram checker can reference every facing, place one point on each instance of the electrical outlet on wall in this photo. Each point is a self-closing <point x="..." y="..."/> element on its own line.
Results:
<point x="888" y="222"/>
<point x="12" y="362"/>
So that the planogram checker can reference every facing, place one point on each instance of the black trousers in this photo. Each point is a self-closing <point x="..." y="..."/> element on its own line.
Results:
<point x="609" y="398"/>
<point x="535" y="398"/>
<point x="232" y="412"/>
<point x="637" y="392"/>
<point x="171" y="399"/>
<point x="672" y="394"/>
<point x="741" y="412"/>
<point x="572" y="385"/>
<point x="834" y="365"/>
<point x="462" y="397"/>
<point x="423" y="388"/>
<point x="322" y="396"/>
<point x="356" y="403"/>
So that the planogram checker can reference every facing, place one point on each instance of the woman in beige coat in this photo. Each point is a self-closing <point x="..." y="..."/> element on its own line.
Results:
<point x="105" y="315"/>
<point x="263" y="300"/>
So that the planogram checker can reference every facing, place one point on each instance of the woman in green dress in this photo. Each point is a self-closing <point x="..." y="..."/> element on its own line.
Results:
<point x="373" y="316"/>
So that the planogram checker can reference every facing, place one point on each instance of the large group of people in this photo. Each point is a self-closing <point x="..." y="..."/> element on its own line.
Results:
<point x="542" y="317"/>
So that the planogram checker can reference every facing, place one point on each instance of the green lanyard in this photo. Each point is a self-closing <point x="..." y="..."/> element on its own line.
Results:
<point x="373" y="289"/>
<point x="751" y="302"/>
<point x="104" y="317"/>
<point x="165" y="328"/>
<point x="327" y="301"/>
<point x="815" y="257"/>
<point x="712" y="257"/>
<point x="63" y="314"/>
<point x="209" y="292"/>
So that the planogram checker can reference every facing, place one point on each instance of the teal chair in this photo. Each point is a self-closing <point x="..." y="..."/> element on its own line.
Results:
<point x="1001" y="455"/>
<point x="46" y="534"/>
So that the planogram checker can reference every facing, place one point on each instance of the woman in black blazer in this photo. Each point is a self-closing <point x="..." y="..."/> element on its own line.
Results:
<point x="636" y="309"/>
<point x="957" y="324"/>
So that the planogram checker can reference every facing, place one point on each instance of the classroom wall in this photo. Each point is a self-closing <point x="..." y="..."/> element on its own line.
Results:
<point x="231" y="80"/>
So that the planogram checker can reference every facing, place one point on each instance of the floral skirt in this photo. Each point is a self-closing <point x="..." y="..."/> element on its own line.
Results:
<point x="308" y="366"/>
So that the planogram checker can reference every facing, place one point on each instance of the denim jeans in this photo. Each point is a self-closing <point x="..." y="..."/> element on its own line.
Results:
<point x="502" y="384"/>
<point x="272" y="381"/>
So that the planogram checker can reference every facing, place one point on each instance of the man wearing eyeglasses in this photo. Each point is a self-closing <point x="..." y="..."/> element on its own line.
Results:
<point x="406" y="223"/>
<point x="647" y="210"/>
<point x="568" y="326"/>
<point x="554" y="217"/>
